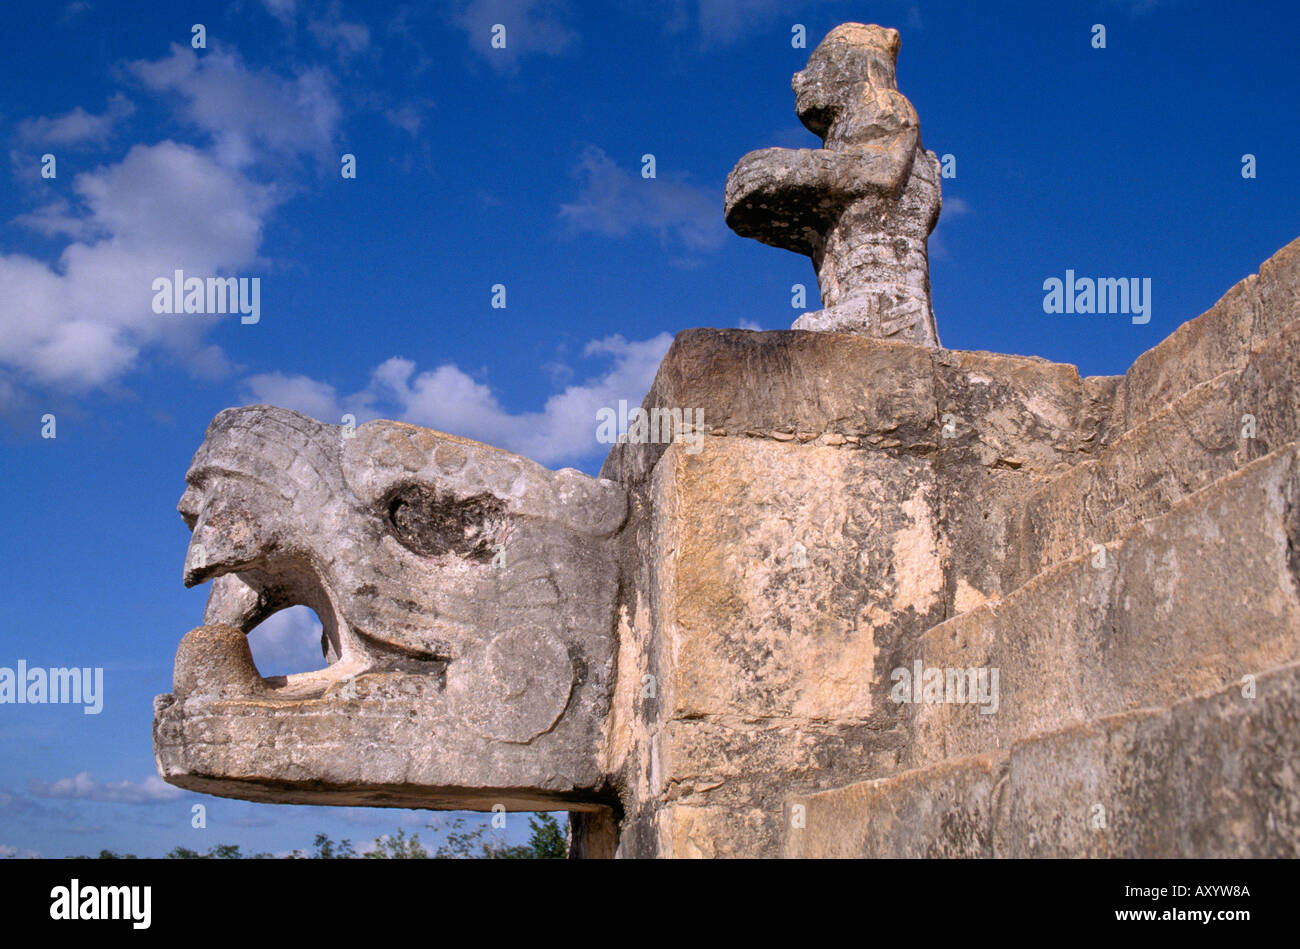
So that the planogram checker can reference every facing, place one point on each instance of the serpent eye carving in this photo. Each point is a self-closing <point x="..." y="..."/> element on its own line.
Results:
<point x="431" y="524"/>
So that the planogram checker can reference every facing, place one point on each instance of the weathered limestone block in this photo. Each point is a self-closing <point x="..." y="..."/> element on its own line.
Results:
<point x="1277" y="292"/>
<point x="944" y="811"/>
<point x="1221" y="339"/>
<point x="784" y="577"/>
<point x="1211" y="776"/>
<point x="751" y="699"/>
<point x="715" y="721"/>
<point x="863" y="206"/>
<point x="784" y="589"/>
<point x="990" y="423"/>
<point x="1186" y="602"/>
<point x="1006" y="412"/>
<point x="1189" y="444"/>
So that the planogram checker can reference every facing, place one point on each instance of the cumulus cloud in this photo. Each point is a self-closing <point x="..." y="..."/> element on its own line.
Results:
<point x="83" y="787"/>
<point x="84" y="320"/>
<point x="300" y="393"/>
<point x="58" y="219"/>
<point x="446" y="398"/>
<point x="76" y="127"/>
<point x="614" y="201"/>
<point x="248" y="113"/>
<point x="287" y="642"/>
<point x="450" y="400"/>
<point x="532" y="26"/>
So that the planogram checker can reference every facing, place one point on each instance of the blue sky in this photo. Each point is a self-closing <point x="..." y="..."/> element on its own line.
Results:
<point x="519" y="167"/>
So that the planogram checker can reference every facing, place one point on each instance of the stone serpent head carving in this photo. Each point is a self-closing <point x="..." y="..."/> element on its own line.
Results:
<point x="863" y="206"/>
<point x="467" y="601"/>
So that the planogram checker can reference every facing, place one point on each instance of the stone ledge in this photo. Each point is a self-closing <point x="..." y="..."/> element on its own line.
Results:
<point x="803" y="387"/>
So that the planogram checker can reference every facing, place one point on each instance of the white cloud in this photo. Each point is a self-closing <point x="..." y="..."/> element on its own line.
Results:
<point x="249" y="114"/>
<point x="75" y="127"/>
<point x="9" y="852"/>
<point x="83" y="787"/>
<point x="447" y="399"/>
<point x="287" y="642"/>
<point x="532" y="26"/>
<point x="450" y="400"/>
<point x="282" y="10"/>
<point x="58" y="219"/>
<point x="334" y="33"/>
<point x="300" y="393"/>
<point x="405" y="117"/>
<point x="84" y="321"/>
<point x="614" y="200"/>
<point x="953" y="208"/>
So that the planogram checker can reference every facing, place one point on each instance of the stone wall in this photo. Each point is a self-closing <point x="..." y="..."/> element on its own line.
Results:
<point x="1112" y="545"/>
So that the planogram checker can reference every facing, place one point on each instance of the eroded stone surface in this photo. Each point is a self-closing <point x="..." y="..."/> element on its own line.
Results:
<point x="467" y="600"/>
<point x="1184" y="603"/>
<point x="1212" y="776"/>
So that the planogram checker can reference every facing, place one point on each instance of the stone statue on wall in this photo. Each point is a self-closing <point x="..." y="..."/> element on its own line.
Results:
<point x="862" y="206"/>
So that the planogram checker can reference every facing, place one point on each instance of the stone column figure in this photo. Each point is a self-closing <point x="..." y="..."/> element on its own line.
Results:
<point x="863" y="206"/>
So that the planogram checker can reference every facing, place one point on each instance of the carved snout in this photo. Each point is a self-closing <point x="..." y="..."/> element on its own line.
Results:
<point x="227" y="534"/>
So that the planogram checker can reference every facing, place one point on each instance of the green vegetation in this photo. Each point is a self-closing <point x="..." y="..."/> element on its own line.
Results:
<point x="545" y="843"/>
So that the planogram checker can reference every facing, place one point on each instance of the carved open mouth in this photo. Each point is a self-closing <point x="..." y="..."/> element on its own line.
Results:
<point x="254" y="577"/>
<point x="246" y="597"/>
